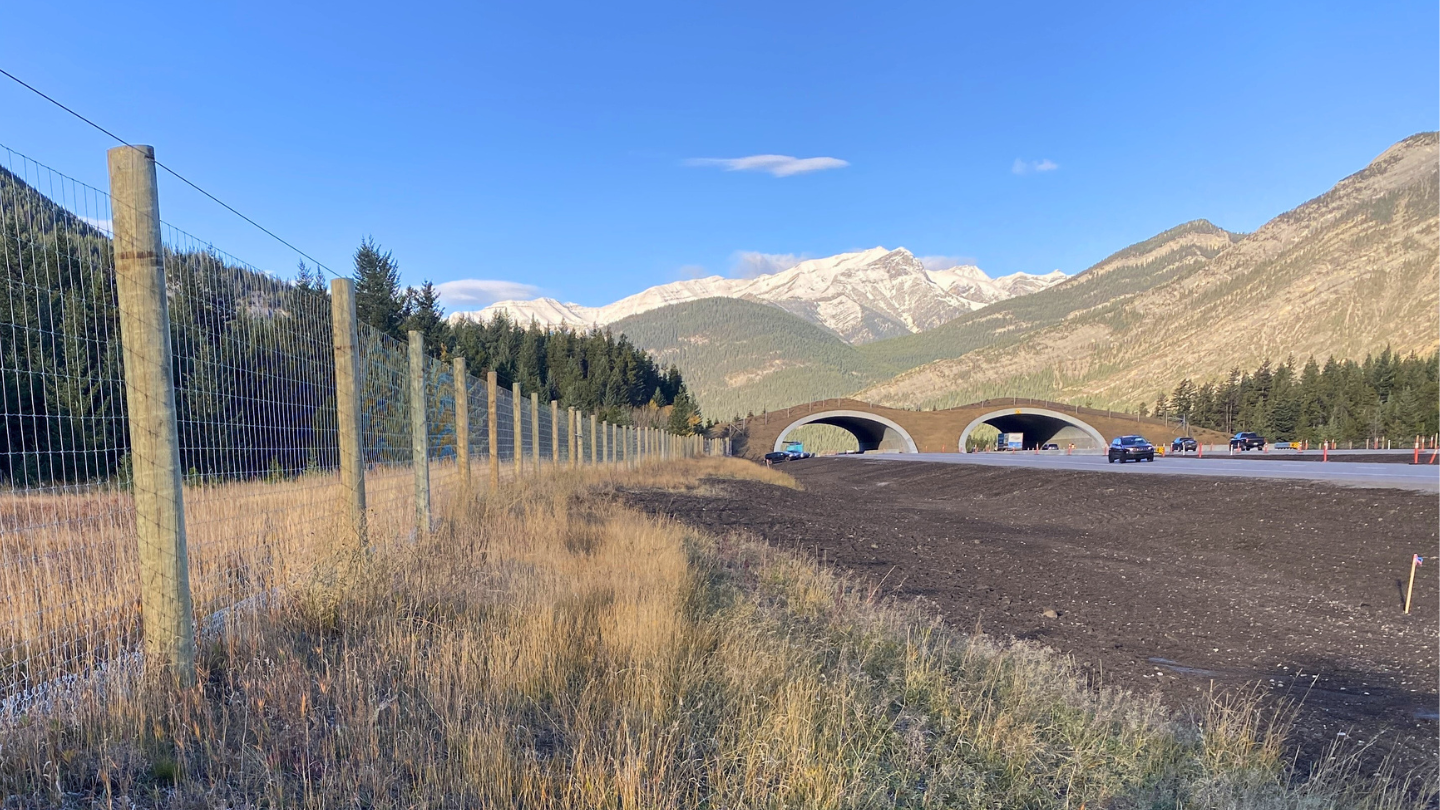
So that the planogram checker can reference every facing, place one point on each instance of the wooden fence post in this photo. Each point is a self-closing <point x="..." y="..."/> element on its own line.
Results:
<point x="165" y="603"/>
<point x="492" y="412"/>
<point x="574" y="441"/>
<point x="555" y="432"/>
<point x="347" y="410"/>
<point x="419" y="435"/>
<point x="518" y="428"/>
<point x="535" y="429"/>
<point x="462" y="423"/>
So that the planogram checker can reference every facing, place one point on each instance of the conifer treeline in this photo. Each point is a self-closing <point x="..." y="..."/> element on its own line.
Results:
<point x="1345" y="401"/>
<point x="594" y="371"/>
<point x="253" y="367"/>
<point x="254" y="384"/>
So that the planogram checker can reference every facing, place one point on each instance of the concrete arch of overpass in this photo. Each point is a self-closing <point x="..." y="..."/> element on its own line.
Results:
<point x="872" y="431"/>
<point x="1039" y="425"/>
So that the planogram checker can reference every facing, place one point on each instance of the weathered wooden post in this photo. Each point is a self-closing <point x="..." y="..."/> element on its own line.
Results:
<point x="165" y="606"/>
<point x="347" y="411"/>
<point x="492" y="411"/>
<point x="518" y="428"/>
<point x="574" y="441"/>
<point x="462" y="423"/>
<point x="535" y="429"/>
<point x="594" y="439"/>
<point x="555" y="432"/>
<point x="419" y="435"/>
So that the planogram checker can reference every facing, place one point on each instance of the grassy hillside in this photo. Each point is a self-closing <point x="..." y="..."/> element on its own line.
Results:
<point x="740" y="356"/>
<point x="1175" y="253"/>
<point x="1348" y="273"/>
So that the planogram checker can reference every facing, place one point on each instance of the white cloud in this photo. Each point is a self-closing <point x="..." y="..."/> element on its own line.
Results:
<point x="777" y="165"/>
<point x="690" y="271"/>
<point x="945" y="262"/>
<point x="750" y="263"/>
<point x="1021" y="166"/>
<point x="480" y="292"/>
<point x="105" y="225"/>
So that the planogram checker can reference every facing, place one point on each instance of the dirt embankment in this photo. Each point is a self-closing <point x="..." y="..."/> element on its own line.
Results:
<point x="1160" y="582"/>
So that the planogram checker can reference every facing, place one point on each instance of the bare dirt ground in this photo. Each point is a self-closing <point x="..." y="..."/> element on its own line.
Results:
<point x="1155" y="582"/>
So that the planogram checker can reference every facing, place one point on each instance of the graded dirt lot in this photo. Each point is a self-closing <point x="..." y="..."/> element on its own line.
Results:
<point x="1155" y="582"/>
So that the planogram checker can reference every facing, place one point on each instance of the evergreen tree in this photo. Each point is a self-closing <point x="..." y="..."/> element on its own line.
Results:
<point x="684" y="416"/>
<point x="378" y="301"/>
<point x="1182" y="400"/>
<point x="424" y="316"/>
<point x="309" y="279"/>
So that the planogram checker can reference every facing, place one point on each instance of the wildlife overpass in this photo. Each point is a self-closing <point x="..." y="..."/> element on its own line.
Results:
<point x="880" y="429"/>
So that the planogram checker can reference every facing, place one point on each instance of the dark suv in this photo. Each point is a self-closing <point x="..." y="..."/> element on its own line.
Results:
<point x="1247" y="441"/>
<point x="1125" y="448"/>
<point x="1184" y="444"/>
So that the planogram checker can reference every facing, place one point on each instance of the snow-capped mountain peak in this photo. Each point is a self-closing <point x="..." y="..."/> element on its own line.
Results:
<point x="861" y="296"/>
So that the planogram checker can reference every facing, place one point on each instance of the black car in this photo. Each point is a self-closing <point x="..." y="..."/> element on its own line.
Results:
<point x="1246" y="440"/>
<point x="1184" y="444"/>
<point x="776" y="457"/>
<point x="1126" y="448"/>
<point x="1050" y="446"/>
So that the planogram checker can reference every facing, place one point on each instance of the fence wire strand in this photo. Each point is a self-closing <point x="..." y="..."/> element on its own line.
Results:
<point x="253" y="367"/>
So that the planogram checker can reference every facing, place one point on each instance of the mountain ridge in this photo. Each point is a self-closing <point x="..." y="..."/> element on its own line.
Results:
<point x="861" y="296"/>
<point x="1347" y="273"/>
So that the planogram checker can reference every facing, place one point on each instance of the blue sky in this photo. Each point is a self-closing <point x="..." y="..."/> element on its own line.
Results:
<point x="577" y="148"/>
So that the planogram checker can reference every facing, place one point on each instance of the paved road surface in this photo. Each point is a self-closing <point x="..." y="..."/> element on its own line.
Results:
<point x="1424" y="478"/>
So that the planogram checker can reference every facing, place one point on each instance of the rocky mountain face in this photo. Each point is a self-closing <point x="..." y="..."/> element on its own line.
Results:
<point x="1124" y="274"/>
<point x="1348" y="273"/>
<point x="862" y="297"/>
<point x="972" y="283"/>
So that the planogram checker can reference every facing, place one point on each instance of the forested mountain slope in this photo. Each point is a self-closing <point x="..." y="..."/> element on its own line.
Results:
<point x="741" y="356"/>
<point x="1346" y="274"/>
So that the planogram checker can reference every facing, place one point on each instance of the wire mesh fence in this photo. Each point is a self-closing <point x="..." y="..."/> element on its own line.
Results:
<point x="254" y="368"/>
<point x="68" y="582"/>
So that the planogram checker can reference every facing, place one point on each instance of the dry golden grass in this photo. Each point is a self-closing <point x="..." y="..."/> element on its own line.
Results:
<point x="547" y="647"/>
<point x="69" y="571"/>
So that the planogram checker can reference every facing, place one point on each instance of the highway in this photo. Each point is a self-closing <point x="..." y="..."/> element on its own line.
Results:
<point x="1422" y="478"/>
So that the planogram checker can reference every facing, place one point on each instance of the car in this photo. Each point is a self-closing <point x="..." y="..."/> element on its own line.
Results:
<point x="1050" y="446"/>
<point x="776" y="457"/>
<point x="1184" y="444"/>
<point x="1245" y="440"/>
<point x="1125" y="448"/>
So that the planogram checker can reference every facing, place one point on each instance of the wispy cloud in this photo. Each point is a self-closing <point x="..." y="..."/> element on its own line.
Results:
<point x="691" y="271"/>
<point x="750" y="263"/>
<point x="480" y="292"/>
<point x="105" y="225"/>
<point x="945" y="262"/>
<point x="1021" y="166"/>
<point x="777" y="165"/>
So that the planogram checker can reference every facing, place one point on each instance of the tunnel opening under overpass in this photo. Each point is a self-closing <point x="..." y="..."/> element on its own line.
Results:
<point x="871" y="431"/>
<point x="1039" y="426"/>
